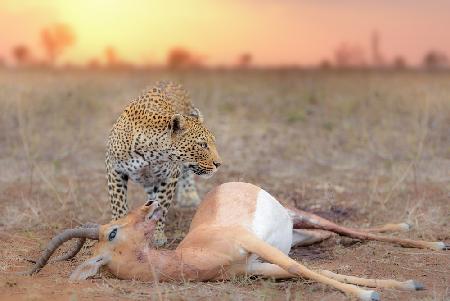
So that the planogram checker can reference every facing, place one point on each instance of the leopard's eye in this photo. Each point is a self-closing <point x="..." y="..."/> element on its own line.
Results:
<point x="203" y="144"/>
<point x="112" y="234"/>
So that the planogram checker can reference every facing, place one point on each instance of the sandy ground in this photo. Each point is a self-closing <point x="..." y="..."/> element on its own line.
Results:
<point x="358" y="148"/>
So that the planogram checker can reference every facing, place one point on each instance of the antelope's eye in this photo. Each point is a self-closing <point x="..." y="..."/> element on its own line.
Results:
<point x="112" y="234"/>
<point x="203" y="144"/>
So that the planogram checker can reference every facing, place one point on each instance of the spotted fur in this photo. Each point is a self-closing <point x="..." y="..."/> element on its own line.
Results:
<point x="158" y="141"/>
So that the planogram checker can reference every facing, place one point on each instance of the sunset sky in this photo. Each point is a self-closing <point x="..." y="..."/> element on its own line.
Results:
<point x="275" y="32"/>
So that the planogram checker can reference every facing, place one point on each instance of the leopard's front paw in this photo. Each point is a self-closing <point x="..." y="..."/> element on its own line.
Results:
<point x="159" y="238"/>
<point x="188" y="199"/>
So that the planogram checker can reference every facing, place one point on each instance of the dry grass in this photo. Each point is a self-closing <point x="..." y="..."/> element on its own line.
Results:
<point x="360" y="148"/>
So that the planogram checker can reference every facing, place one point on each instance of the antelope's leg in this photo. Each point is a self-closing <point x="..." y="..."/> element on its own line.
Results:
<point x="409" y="285"/>
<point x="304" y="237"/>
<point x="268" y="270"/>
<point x="253" y="244"/>
<point x="257" y="268"/>
<point x="401" y="227"/>
<point x="306" y="220"/>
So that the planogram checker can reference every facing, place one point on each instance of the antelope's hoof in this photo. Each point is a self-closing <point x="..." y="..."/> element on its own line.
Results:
<point x="405" y="226"/>
<point x="369" y="296"/>
<point x="440" y="246"/>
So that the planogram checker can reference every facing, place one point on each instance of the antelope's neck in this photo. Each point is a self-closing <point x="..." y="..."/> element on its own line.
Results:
<point x="178" y="265"/>
<point x="152" y="265"/>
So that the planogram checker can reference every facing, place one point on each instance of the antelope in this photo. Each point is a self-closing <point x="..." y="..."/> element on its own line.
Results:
<point x="235" y="226"/>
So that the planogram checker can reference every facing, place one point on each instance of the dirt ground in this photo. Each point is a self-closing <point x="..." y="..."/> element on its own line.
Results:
<point x="359" y="148"/>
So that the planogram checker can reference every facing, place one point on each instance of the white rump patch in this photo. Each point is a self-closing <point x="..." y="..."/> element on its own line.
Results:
<point x="272" y="222"/>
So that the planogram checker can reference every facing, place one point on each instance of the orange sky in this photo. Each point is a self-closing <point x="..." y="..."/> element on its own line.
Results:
<point x="275" y="32"/>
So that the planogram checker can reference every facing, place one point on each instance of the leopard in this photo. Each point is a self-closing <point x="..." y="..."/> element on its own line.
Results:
<point x="160" y="142"/>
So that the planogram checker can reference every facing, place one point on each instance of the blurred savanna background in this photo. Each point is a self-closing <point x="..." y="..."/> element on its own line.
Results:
<point x="339" y="107"/>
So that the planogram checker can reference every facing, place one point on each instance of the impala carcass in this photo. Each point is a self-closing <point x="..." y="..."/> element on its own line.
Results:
<point x="236" y="225"/>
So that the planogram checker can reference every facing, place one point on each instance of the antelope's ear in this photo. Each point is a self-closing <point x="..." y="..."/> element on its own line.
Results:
<point x="89" y="268"/>
<point x="156" y="214"/>
<point x="197" y="114"/>
<point x="177" y="124"/>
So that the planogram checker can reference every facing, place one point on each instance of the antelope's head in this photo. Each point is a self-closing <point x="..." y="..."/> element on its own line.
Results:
<point x="120" y="242"/>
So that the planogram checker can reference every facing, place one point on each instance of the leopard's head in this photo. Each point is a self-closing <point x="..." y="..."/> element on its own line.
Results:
<point x="193" y="145"/>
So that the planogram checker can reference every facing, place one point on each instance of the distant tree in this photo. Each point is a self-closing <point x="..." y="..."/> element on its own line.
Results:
<point x="244" y="60"/>
<point x="325" y="64"/>
<point x="55" y="39"/>
<point x="399" y="62"/>
<point x="112" y="58"/>
<point x="21" y="54"/>
<point x="349" y="56"/>
<point x="93" y="64"/>
<point x="180" y="58"/>
<point x="377" y="56"/>
<point x="434" y="59"/>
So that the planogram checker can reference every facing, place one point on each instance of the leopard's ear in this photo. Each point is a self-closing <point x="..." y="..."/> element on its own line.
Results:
<point x="197" y="114"/>
<point x="177" y="124"/>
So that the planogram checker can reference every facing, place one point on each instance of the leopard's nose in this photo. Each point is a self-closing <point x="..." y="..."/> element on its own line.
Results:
<point x="217" y="164"/>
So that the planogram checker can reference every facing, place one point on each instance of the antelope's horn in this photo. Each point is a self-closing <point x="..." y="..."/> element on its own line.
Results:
<point x="90" y="231"/>
<point x="79" y="244"/>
